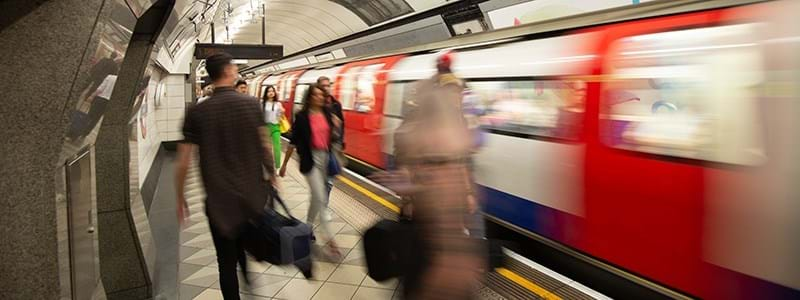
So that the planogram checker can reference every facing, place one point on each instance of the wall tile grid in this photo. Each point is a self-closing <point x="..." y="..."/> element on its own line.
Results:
<point x="170" y="113"/>
<point x="150" y="142"/>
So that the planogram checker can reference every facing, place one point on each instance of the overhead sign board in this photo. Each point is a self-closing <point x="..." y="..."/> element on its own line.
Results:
<point x="542" y="10"/>
<point x="201" y="51"/>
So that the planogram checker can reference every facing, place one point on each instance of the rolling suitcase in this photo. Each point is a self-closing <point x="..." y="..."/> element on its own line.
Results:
<point x="389" y="249"/>
<point x="280" y="240"/>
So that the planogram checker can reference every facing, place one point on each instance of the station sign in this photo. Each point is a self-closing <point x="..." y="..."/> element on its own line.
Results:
<point x="201" y="51"/>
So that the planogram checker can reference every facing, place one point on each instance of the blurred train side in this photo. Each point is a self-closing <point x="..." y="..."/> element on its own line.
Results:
<point x="664" y="146"/>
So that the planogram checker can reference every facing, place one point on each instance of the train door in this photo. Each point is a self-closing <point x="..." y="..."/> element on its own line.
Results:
<point x="361" y="88"/>
<point x="254" y="86"/>
<point x="258" y="92"/>
<point x="644" y="165"/>
<point x="750" y="226"/>
<point x="299" y="93"/>
<point x="288" y="95"/>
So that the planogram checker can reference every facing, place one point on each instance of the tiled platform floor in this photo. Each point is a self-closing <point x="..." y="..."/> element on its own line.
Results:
<point x="333" y="279"/>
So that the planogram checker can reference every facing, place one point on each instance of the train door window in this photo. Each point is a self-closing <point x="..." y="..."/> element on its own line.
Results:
<point x="544" y="108"/>
<point x="358" y="89"/>
<point x="288" y="84"/>
<point x="299" y="93"/>
<point x="347" y="93"/>
<point x="280" y="86"/>
<point x="365" y="88"/>
<point x="689" y="93"/>
<point x="399" y="98"/>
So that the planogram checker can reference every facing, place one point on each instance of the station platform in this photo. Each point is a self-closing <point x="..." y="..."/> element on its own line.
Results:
<point x="356" y="204"/>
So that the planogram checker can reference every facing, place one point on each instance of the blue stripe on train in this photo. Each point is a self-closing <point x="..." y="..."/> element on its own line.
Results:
<point x="532" y="216"/>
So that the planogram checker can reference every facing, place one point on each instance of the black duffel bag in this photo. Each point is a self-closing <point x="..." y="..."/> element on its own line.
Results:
<point x="279" y="239"/>
<point x="389" y="249"/>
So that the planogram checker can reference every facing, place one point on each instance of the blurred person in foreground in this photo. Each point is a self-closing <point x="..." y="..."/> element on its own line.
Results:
<point x="314" y="131"/>
<point x="432" y="149"/>
<point x="228" y="130"/>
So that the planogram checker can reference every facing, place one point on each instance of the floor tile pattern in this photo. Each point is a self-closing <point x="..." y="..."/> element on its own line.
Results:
<point x="343" y="278"/>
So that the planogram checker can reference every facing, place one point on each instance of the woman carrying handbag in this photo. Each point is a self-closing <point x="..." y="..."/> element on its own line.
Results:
<point x="314" y="131"/>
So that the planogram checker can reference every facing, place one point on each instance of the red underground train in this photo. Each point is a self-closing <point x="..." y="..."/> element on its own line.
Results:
<point x="664" y="146"/>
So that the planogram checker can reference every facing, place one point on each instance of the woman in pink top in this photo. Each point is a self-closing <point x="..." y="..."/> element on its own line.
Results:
<point x="320" y="131"/>
<point x="312" y="137"/>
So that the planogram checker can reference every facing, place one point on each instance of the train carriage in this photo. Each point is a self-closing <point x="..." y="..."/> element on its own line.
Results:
<point x="662" y="146"/>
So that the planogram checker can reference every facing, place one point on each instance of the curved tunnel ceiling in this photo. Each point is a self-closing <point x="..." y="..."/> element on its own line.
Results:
<point x="295" y="24"/>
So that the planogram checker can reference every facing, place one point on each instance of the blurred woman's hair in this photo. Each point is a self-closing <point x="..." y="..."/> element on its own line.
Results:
<point x="307" y="96"/>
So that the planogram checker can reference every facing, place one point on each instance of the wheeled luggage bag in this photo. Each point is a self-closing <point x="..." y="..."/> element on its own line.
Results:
<point x="280" y="240"/>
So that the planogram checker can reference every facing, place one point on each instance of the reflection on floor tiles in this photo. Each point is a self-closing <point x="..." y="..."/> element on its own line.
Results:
<point x="202" y="257"/>
<point x="321" y="271"/>
<point x="368" y="293"/>
<point x="334" y="278"/>
<point x="330" y="290"/>
<point x="188" y="292"/>
<point x="266" y="285"/>
<point x="347" y="240"/>
<point x="390" y="284"/>
<point x="348" y="274"/>
<point x="355" y="257"/>
<point x="299" y="289"/>
<point x="204" y="277"/>
<point x="288" y="270"/>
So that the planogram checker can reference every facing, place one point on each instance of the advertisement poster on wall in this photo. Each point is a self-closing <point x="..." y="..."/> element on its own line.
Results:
<point x="542" y="10"/>
<point x="146" y="131"/>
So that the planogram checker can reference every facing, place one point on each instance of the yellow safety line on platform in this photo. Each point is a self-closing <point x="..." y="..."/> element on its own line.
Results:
<point x="369" y="194"/>
<point x="526" y="284"/>
<point x="502" y="271"/>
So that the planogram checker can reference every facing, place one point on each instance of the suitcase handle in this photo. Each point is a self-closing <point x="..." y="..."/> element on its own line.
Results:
<point x="273" y="194"/>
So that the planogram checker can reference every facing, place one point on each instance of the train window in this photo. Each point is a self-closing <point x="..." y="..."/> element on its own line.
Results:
<point x="358" y="92"/>
<point x="548" y="108"/>
<point x="689" y="93"/>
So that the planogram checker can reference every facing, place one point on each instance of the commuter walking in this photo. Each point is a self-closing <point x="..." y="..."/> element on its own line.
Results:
<point x="338" y="147"/>
<point x="314" y="130"/>
<point x="433" y="147"/>
<point x="100" y="71"/>
<point x="228" y="130"/>
<point x="241" y="86"/>
<point x="273" y="111"/>
<point x="98" y="104"/>
<point x="208" y="91"/>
